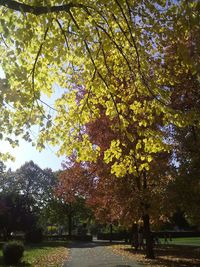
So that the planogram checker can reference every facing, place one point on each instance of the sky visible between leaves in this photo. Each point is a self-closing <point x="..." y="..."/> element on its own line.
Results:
<point x="26" y="152"/>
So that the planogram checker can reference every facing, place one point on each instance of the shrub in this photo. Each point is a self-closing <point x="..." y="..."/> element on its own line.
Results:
<point x="34" y="236"/>
<point x="13" y="252"/>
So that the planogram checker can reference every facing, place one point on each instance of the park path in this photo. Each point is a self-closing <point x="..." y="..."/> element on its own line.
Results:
<point x="96" y="254"/>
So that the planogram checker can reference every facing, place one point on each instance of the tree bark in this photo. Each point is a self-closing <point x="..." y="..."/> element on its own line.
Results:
<point x="134" y="241"/>
<point x="70" y="225"/>
<point x="146" y="223"/>
<point x="39" y="10"/>
<point x="148" y="237"/>
<point x="111" y="232"/>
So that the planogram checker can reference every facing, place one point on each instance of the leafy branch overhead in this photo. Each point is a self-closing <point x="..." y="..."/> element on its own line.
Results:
<point x="112" y="56"/>
<point x="38" y="10"/>
<point x="123" y="76"/>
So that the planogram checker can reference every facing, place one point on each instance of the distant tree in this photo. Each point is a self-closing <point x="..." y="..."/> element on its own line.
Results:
<point x="29" y="179"/>
<point x="31" y="182"/>
<point x="8" y="181"/>
<point x="2" y="167"/>
<point x="66" y="214"/>
<point x="72" y="190"/>
<point x="183" y="191"/>
<point x="179" y="220"/>
<point x="16" y="213"/>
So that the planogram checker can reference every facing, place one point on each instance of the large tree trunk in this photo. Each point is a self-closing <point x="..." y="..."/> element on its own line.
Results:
<point x="134" y="237"/>
<point x="111" y="232"/>
<point x="146" y="222"/>
<point x="70" y="225"/>
<point x="148" y="237"/>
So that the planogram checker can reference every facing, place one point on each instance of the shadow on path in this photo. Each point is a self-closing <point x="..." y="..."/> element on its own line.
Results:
<point x="96" y="254"/>
<point x="97" y="243"/>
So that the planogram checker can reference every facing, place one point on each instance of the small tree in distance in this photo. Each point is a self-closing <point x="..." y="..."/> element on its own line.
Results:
<point x="71" y="191"/>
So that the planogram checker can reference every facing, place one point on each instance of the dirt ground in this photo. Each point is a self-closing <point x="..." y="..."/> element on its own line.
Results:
<point x="166" y="255"/>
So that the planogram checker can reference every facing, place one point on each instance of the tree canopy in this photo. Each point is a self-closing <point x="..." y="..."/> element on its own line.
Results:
<point x="124" y="60"/>
<point x="108" y="54"/>
<point x="16" y="213"/>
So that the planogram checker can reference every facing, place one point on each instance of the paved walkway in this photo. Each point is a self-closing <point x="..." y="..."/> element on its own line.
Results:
<point x="95" y="254"/>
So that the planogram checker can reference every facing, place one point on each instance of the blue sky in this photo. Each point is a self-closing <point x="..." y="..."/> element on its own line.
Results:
<point x="26" y="152"/>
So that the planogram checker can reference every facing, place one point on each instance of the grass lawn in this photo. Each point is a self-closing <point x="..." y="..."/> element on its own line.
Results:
<point x="191" y="241"/>
<point x="45" y="254"/>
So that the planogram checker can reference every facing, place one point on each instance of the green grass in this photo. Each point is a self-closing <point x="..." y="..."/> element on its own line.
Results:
<point x="191" y="241"/>
<point x="34" y="253"/>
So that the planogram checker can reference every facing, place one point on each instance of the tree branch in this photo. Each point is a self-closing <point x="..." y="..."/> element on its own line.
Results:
<point x="63" y="33"/>
<point x="38" y="10"/>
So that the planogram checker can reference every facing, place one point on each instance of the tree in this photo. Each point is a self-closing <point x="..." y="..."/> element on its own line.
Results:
<point x="16" y="213"/>
<point x="133" y="195"/>
<point x="8" y="180"/>
<point x="33" y="181"/>
<point x="2" y="167"/>
<point x="185" y="97"/>
<point x="71" y="191"/>
<point x="184" y="189"/>
<point x="109" y="55"/>
<point x="119" y="196"/>
<point x="100" y="45"/>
